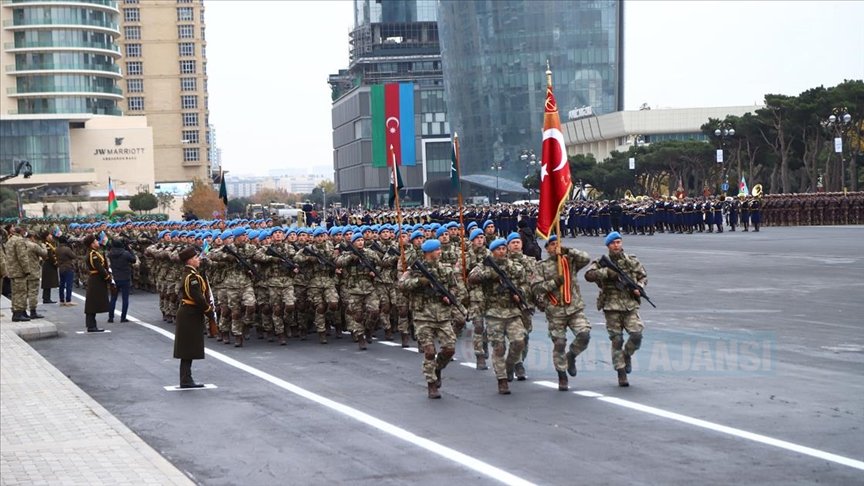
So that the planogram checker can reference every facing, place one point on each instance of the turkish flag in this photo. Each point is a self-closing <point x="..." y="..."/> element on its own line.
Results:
<point x="555" y="183"/>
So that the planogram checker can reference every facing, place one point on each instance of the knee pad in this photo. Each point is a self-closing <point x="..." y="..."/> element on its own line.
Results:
<point x="403" y="312"/>
<point x="517" y="346"/>
<point x="636" y="339"/>
<point x="583" y="338"/>
<point x="250" y="311"/>
<point x="373" y="316"/>
<point x="333" y="306"/>
<point x="289" y="308"/>
<point x="617" y="340"/>
<point x="499" y="349"/>
<point x="236" y="314"/>
<point x="478" y="327"/>
<point x="385" y="309"/>
<point x="559" y="345"/>
<point x="277" y="311"/>
<point x="320" y="309"/>
<point x="429" y="352"/>
<point x="458" y="326"/>
<point x="446" y="354"/>
<point x="266" y="309"/>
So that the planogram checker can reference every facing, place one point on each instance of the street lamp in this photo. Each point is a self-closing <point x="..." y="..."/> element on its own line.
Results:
<point x="530" y="160"/>
<point x="496" y="167"/>
<point x="722" y="132"/>
<point x="839" y="122"/>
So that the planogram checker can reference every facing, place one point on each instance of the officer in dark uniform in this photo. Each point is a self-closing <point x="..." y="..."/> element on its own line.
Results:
<point x="194" y="307"/>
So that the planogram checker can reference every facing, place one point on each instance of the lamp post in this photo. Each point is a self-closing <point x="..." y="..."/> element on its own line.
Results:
<point x="723" y="132"/>
<point x="838" y="123"/>
<point x="530" y="160"/>
<point x="496" y="167"/>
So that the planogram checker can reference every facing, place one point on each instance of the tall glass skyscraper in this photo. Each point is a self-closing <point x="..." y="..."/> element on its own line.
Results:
<point x="494" y="56"/>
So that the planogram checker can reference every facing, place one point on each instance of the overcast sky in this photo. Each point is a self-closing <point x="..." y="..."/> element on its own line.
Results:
<point x="268" y="64"/>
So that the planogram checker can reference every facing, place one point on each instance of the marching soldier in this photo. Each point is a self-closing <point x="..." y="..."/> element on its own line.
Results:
<point x="619" y="304"/>
<point x="359" y="269"/>
<point x="476" y="254"/>
<point x="529" y="266"/>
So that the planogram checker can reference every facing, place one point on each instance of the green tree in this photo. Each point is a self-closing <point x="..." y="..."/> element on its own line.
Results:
<point x="323" y="187"/>
<point x="8" y="203"/>
<point x="238" y="205"/>
<point x="143" y="201"/>
<point x="166" y="199"/>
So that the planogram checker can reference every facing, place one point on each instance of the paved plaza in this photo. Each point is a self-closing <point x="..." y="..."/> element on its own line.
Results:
<point x="750" y="372"/>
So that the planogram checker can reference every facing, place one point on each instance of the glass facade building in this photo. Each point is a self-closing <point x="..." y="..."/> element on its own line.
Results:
<point x="44" y="143"/>
<point x="65" y="56"/>
<point x="494" y="56"/>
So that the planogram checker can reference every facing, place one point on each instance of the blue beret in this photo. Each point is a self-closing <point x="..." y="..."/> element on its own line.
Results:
<point x="416" y="234"/>
<point x="174" y="233"/>
<point x="226" y="234"/>
<point x="162" y="234"/>
<point x="291" y="231"/>
<point x="334" y="231"/>
<point x="475" y="233"/>
<point x="471" y="225"/>
<point x="434" y="226"/>
<point x="430" y="245"/>
<point x="551" y="239"/>
<point x="440" y="232"/>
<point x="499" y="242"/>
<point x="612" y="237"/>
<point x="452" y="224"/>
<point x="356" y="236"/>
<point x="238" y="231"/>
<point x="488" y="222"/>
<point x="252" y="234"/>
<point x="319" y="232"/>
<point x="512" y="236"/>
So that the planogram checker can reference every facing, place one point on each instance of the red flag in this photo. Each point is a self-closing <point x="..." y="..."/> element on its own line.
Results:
<point x="555" y="183"/>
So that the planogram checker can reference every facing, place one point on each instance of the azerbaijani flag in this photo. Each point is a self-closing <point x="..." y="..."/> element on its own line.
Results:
<point x="392" y="107"/>
<point x="112" y="199"/>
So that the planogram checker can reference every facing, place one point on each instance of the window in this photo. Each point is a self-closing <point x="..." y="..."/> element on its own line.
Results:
<point x="186" y="31"/>
<point x="188" y="84"/>
<point x="132" y="15"/>
<point x="134" y="68"/>
<point x="190" y="136"/>
<point x="187" y="67"/>
<point x="190" y="154"/>
<point x="132" y="32"/>
<point x="135" y="85"/>
<point x="190" y="119"/>
<point x="184" y="1"/>
<point x="136" y="103"/>
<point x="187" y="49"/>
<point x="184" y="14"/>
<point x="133" y="50"/>
<point x="189" y="102"/>
<point x="130" y="1"/>
<point x="202" y="33"/>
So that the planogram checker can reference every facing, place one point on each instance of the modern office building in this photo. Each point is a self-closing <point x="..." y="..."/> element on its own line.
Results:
<point x="59" y="109"/>
<point x="392" y="41"/>
<point x="494" y="57"/>
<point x="165" y="78"/>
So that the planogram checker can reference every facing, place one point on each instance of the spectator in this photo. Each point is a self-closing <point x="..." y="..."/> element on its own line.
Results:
<point x="121" y="266"/>
<point x="66" y="265"/>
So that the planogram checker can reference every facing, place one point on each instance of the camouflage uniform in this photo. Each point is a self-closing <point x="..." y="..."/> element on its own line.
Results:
<point x="320" y="286"/>
<point x="620" y="307"/>
<point x="19" y="268"/>
<point x="239" y="295"/>
<point x="477" y="310"/>
<point x="362" y="301"/>
<point x="37" y="253"/>
<point x="394" y="304"/>
<point x="503" y="316"/>
<point x="529" y="264"/>
<point x="432" y="319"/>
<point x="547" y="284"/>
<point x="279" y="283"/>
<point x="216" y="276"/>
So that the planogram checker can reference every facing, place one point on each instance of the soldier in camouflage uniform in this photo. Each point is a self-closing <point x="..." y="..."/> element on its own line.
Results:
<point x="620" y="305"/>
<point x="476" y="253"/>
<point x="394" y="306"/>
<point x="362" y="304"/>
<point x="279" y="279"/>
<point x="503" y="314"/>
<point x="37" y="254"/>
<point x="321" y="284"/>
<point x="18" y="269"/>
<point x="216" y="277"/>
<point x="514" y="252"/>
<point x="240" y="295"/>
<point x="264" y="311"/>
<point x="304" y="313"/>
<point x="550" y="283"/>
<point x="432" y="313"/>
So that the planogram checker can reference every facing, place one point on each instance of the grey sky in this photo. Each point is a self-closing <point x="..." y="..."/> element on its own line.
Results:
<point x="268" y="64"/>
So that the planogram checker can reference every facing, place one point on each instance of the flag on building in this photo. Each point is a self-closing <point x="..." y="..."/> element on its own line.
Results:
<point x="112" y="199"/>
<point x="223" y="189"/>
<point x="392" y="109"/>
<point x="455" y="181"/>
<point x="395" y="178"/>
<point x="555" y="183"/>
<point x="742" y="187"/>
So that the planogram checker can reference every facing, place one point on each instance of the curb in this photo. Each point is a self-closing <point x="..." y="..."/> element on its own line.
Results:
<point x="28" y="331"/>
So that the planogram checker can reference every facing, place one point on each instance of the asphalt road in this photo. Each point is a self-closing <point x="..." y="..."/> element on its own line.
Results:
<point x="750" y="372"/>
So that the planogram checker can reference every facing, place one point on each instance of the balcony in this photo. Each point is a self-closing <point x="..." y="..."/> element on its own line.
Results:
<point x="110" y="26"/>
<point x="53" y="111"/>
<point x="59" y="45"/>
<point x="110" y="5"/>
<point x="25" y="67"/>
<point x="52" y="90"/>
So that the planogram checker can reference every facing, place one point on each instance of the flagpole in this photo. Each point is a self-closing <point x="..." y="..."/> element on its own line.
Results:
<point x="398" y="209"/>
<point x="461" y="208"/>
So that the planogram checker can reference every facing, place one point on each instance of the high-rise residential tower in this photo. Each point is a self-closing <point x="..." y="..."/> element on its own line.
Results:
<point x="165" y="78"/>
<point x="494" y="56"/>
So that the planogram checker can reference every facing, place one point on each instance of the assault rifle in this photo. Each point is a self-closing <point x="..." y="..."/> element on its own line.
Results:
<point x="323" y="260"/>
<point x="624" y="280"/>
<point x="364" y="261"/>
<point x="289" y="265"/>
<point x="508" y="284"/>
<point x="249" y="268"/>
<point x="439" y="288"/>
<point x="389" y="251"/>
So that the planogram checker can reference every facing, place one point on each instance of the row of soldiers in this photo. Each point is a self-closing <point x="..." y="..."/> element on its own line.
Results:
<point x="831" y="208"/>
<point x="289" y="282"/>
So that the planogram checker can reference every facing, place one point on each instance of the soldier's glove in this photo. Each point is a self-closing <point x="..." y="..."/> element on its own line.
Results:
<point x="424" y="281"/>
<point x="559" y="280"/>
<point x="611" y="274"/>
<point x="563" y="250"/>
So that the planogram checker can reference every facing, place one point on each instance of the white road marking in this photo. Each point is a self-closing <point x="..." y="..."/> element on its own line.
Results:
<point x="389" y="343"/>
<point x="85" y="332"/>
<point x="475" y="464"/>
<point x="207" y="386"/>
<point x="470" y="365"/>
<point x="762" y="439"/>
<point x="413" y="350"/>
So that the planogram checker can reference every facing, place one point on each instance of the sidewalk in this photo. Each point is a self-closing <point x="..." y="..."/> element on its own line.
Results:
<point x="51" y="432"/>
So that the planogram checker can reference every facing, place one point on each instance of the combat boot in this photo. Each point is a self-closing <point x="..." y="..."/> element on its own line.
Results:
<point x="433" y="390"/>
<point x="571" y="364"/>
<point x="35" y="315"/>
<point x="562" y="381"/>
<point x="322" y="337"/>
<point x="503" y="387"/>
<point x="282" y="339"/>
<point x="481" y="363"/>
<point x="388" y="334"/>
<point x="520" y="372"/>
<point x="239" y="341"/>
<point x="271" y="336"/>
<point x="20" y="316"/>
<point x="406" y="340"/>
<point x="361" y="342"/>
<point x="622" y="378"/>
<point x="226" y="337"/>
<point x="510" y="371"/>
